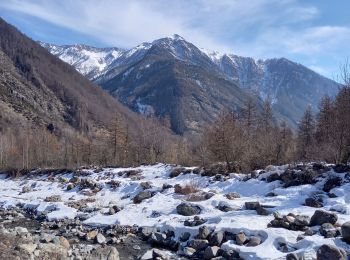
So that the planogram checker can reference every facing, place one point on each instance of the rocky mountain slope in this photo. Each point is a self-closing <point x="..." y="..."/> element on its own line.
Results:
<point x="37" y="88"/>
<point x="171" y="77"/>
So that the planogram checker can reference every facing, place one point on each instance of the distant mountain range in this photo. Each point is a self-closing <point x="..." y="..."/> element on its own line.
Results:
<point x="172" y="78"/>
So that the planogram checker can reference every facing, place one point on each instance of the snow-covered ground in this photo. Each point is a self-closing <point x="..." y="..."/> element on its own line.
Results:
<point x="118" y="187"/>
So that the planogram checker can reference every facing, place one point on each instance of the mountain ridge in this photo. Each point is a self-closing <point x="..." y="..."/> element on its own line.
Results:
<point x="290" y="86"/>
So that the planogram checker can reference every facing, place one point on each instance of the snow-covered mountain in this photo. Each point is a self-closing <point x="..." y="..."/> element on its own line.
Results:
<point x="125" y="74"/>
<point x="89" y="61"/>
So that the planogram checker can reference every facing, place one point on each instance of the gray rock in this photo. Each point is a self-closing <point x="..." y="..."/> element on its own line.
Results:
<point x="113" y="254"/>
<point x="146" y="185"/>
<point x="185" y="236"/>
<point x="198" y="244"/>
<point x="262" y="211"/>
<point x="203" y="232"/>
<point x="159" y="238"/>
<point x="159" y="254"/>
<point x="328" y="230"/>
<point x="345" y="231"/>
<point x="327" y="252"/>
<point x="146" y="232"/>
<point x="301" y="220"/>
<point x="309" y="232"/>
<point x="53" y="198"/>
<point x="320" y="217"/>
<point x="21" y="230"/>
<point x="271" y="194"/>
<point x="210" y="252"/>
<point x="300" y="237"/>
<point x="28" y="248"/>
<point x="142" y="196"/>
<point x="254" y="241"/>
<point x="199" y="196"/>
<point x="240" y="238"/>
<point x="26" y="189"/>
<point x="216" y="238"/>
<point x="46" y="238"/>
<point x="332" y="183"/>
<point x="64" y="242"/>
<point x="148" y="255"/>
<point x="188" y="251"/>
<point x="100" y="239"/>
<point x="252" y="205"/>
<point x="232" y="195"/>
<point x="187" y="209"/>
<point x="195" y="222"/>
<point x="311" y="202"/>
<point x="176" y="172"/>
<point x="223" y="206"/>
<point x="292" y="256"/>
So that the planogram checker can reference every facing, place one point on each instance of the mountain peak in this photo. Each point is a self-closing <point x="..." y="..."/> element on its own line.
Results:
<point x="177" y="37"/>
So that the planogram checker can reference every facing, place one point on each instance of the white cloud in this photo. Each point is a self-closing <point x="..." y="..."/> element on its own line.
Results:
<point x="131" y="22"/>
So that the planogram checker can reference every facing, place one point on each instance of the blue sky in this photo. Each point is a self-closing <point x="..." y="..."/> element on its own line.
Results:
<point x="315" y="33"/>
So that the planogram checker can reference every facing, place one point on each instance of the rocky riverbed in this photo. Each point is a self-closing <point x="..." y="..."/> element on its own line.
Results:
<point x="171" y="212"/>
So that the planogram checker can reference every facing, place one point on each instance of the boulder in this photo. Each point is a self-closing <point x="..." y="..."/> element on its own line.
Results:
<point x="185" y="236"/>
<point x="64" y="242"/>
<point x="320" y="217"/>
<point x="100" y="239"/>
<point x="328" y="230"/>
<point x="146" y="185"/>
<point x="187" y="209"/>
<point x="163" y="240"/>
<point x="327" y="252"/>
<point x="28" y="248"/>
<point x="345" y="231"/>
<point x="262" y="211"/>
<point x="210" y="252"/>
<point x="271" y="194"/>
<point x="332" y="183"/>
<point x="159" y="254"/>
<point x="113" y="254"/>
<point x="216" y="238"/>
<point x="199" y="196"/>
<point x="188" y="251"/>
<point x="292" y="256"/>
<point x="311" y="202"/>
<point x="26" y="189"/>
<point x="166" y="186"/>
<point x="91" y="234"/>
<point x="146" y="232"/>
<point x="198" y="244"/>
<point x="142" y="196"/>
<point x="223" y="206"/>
<point x="301" y="220"/>
<point x="232" y="195"/>
<point x="254" y="241"/>
<point x="53" y="198"/>
<point x="176" y="172"/>
<point x="195" y="222"/>
<point x="240" y="238"/>
<point x="273" y="177"/>
<point x="252" y="205"/>
<point x="203" y="232"/>
<point x="340" y="168"/>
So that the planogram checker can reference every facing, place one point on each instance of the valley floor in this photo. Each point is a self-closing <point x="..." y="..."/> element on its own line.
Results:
<point x="257" y="216"/>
